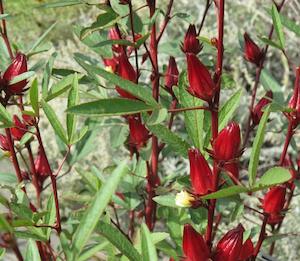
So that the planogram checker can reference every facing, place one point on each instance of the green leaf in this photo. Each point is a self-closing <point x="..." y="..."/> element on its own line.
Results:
<point x="56" y="125"/>
<point x="166" y="200"/>
<point x="92" y="251"/>
<point x="47" y="75"/>
<point x="193" y="119"/>
<point x="41" y="39"/>
<point x="157" y="116"/>
<point x="22" y="77"/>
<point x="4" y="225"/>
<point x="115" y="237"/>
<point x="272" y="177"/>
<point x="2" y="253"/>
<point x="34" y="96"/>
<point x="7" y="178"/>
<point x="62" y="3"/>
<point x="60" y="87"/>
<point x="5" y="117"/>
<point x="104" y="20"/>
<point x="138" y="91"/>
<point x="226" y="192"/>
<point x="96" y="208"/>
<point x="289" y="24"/>
<point x="229" y="108"/>
<point x="178" y="145"/>
<point x="267" y="41"/>
<point x="32" y="252"/>
<point x="148" y="248"/>
<point x="278" y="26"/>
<point x="257" y="144"/>
<point x="110" y="107"/>
<point x="50" y="217"/>
<point x="270" y="83"/>
<point x="73" y="99"/>
<point x="113" y="42"/>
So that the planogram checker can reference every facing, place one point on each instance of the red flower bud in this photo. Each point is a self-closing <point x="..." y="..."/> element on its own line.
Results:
<point x="252" y="53"/>
<point x="20" y="129"/>
<point x="191" y="44"/>
<point x="4" y="143"/>
<point x="258" y="109"/>
<point x="229" y="247"/>
<point x="172" y="73"/>
<point x="138" y="133"/>
<point x="126" y="71"/>
<point x="227" y="144"/>
<point x="247" y="250"/>
<point x="274" y="200"/>
<point x="294" y="103"/>
<point x="17" y="67"/>
<point x="110" y="64"/>
<point x="194" y="246"/>
<point x="201" y="83"/>
<point x="114" y="35"/>
<point x="233" y="168"/>
<point x="29" y="120"/>
<point x="200" y="173"/>
<point x="41" y="165"/>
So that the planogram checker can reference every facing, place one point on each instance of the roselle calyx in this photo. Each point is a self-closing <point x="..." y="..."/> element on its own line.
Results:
<point x="4" y="143"/>
<point x="194" y="246"/>
<point x="252" y="52"/>
<point x="257" y="112"/>
<point x="229" y="246"/>
<point x="273" y="203"/>
<point x="294" y="103"/>
<point x="138" y="133"/>
<point x="226" y="146"/>
<point x="200" y="173"/>
<point x="247" y="250"/>
<point x="171" y="78"/>
<point x="17" y="67"/>
<point x="191" y="44"/>
<point x="41" y="165"/>
<point x="127" y="72"/>
<point x="200" y="81"/>
<point x="19" y="130"/>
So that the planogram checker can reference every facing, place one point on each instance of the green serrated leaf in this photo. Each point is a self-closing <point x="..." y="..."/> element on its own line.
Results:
<point x="96" y="208"/>
<point x="257" y="144"/>
<point x="115" y="237"/>
<point x="73" y="99"/>
<point x="32" y="252"/>
<point x="278" y="26"/>
<point x="226" y="192"/>
<point x="178" y="145"/>
<point x="34" y="96"/>
<point x="110" y="107"/>
<point x="55" y="123"/>
<point x="166" y="200"/>
<point x="148" y="249"/>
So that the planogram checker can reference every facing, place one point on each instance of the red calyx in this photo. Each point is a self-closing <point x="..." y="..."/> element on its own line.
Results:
<point x="127" y="72"/>
<point x="138" y="133"/>
<point x="258" y="109"/>
<point x="172" y="73"/>
<point x="226" y="146"/>
<point x="41" y="165"/>
<point x="273" y="203"/>
<point x="200" y="173"/>
<point x="19" y="130"/>
<point x="201" y="83"/>
<point x="4" y="143"/>
<point x="229" y="247"/>
<point x="247" y="250"/>
<point x="191" y="44"/>
<point x="194" y="246"/>
<point x="17" y="67"/>
<point x="252" y="52"/>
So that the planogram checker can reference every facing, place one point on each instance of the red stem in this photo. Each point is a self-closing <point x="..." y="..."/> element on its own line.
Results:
<point x="262" y="236"/>
<point x="214" y="118"/>
<point x="53" y="180"/>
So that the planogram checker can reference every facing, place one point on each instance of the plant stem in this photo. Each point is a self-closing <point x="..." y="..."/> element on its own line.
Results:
<point x="214" y="107"/>
<point x="207" y="6"/>
<point x="256" y="83"/>
<point x="262" y="236"/>
<point x="166" y="20"/>
<point x="4" y="33"/>
<point x="34" y="175"/>
<point x="53" y="180"/>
